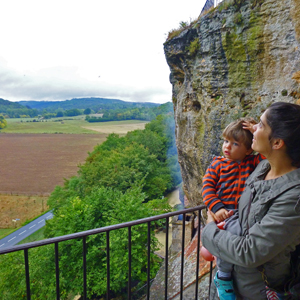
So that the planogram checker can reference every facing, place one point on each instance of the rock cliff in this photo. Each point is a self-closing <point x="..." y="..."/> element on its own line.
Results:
<point x="233" y="61"/>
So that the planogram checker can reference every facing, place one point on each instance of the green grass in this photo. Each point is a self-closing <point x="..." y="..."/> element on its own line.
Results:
<point x="36" y="236"/>
<point x="73" y="125"/>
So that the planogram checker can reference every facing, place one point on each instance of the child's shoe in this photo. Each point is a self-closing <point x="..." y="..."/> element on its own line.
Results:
<point x="224" y="288"/>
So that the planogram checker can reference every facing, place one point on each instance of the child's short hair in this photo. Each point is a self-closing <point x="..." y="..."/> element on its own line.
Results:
<point x="235" y="131"/>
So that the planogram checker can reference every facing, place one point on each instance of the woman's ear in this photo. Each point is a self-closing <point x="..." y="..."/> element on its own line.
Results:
<point x="277" y="144"/>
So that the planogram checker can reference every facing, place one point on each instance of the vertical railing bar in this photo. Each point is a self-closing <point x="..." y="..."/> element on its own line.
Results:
<point x="167" y="258"/>
<point x="148" y="263"/>
<point x="107" y="266"/>
<point x="182" y="257"/>
<point x="57" y="270"/>
<point x="210" y="277"/>
<point x="84" y="267"/>
<point x="129" y="262"/>
<point x="27" y="274"/>
<point x="198" y="253"/>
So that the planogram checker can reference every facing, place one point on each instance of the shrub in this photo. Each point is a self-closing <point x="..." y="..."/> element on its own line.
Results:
<point x="194" y="46"/>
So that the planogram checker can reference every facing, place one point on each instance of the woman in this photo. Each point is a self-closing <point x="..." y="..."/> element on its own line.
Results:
<point x="269" y="209"/>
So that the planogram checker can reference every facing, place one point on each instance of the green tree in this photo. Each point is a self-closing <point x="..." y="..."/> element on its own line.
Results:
<point x="102" y="207"/>
<point x="72" y="112"/>
<point x="59" y="114"/>
<point x="87" y="111"/>
<point x="3" y="122"/>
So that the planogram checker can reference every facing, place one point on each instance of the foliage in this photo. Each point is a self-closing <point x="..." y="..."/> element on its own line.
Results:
<point x="238" y="18"/>
<point x="15" y="110"/>
<point x="138" y="113"/>
<point x="194" y="46"/>
<point x="87" y="111"/>
<point x="123" y="179"/>
<point x="3" y="122"/>
<point x="59" y="114"/>
<point x="73" y="112"/>
<point x="102" y="207"/>
<point x="95" y="104"/>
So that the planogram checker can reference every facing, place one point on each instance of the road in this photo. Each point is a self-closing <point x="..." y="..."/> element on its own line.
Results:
<point x="25" y="231"/>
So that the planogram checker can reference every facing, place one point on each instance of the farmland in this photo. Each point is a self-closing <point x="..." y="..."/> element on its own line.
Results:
<point x="34" y="160"/>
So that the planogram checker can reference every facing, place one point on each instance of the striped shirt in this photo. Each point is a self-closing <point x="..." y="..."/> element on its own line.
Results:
<point x="224" y="181"/>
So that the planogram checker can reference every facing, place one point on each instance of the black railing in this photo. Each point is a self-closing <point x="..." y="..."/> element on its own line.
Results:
<point x="107" y="230"/>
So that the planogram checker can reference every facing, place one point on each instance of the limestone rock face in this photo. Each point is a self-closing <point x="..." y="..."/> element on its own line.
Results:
<point x="232" y="62"/>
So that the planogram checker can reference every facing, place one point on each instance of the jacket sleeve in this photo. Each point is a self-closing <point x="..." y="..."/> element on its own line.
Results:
<point x="209" y="191"/>
<point x="278" y="230"/>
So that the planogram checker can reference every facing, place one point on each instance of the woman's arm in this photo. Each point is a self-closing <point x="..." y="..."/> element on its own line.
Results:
<point x="279" y="228"/>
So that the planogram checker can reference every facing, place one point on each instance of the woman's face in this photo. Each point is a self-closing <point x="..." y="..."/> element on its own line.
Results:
<point x="261" y="142"/>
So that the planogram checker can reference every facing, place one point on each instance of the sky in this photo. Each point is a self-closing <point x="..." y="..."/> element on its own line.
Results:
<point x="64" y="49"/>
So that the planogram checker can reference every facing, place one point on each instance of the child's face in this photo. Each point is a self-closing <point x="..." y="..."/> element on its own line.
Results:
<point x="234" y="150"/>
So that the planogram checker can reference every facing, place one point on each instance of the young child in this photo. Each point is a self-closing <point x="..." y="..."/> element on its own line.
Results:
<point x="223" y="184"/>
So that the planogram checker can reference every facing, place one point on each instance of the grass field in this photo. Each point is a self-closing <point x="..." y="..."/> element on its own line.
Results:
<point x="20" y="207"/>
<point x="33" y="163"/>
<point x="74" y="125"/>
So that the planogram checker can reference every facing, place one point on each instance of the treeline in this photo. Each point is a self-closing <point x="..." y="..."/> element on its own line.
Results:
<point x="143" y="113"/>
<point x="123" y="179"/>
<point x="95" y="104"/>
<point x="109" y="109"/>
<point x="15" y="110"/>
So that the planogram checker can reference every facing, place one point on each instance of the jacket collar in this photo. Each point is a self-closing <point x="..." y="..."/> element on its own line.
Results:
<point x="276" y="186"/>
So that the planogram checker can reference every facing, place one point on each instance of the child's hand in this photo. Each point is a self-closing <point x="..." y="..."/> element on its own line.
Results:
<point x="248" y="126"/>
<point x="210" y="217"/>
<point x="223" y="214"/>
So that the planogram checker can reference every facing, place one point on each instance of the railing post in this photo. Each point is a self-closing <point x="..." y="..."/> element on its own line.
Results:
<point x="182" y="256"/>
<point x="84" y="267"/>
<point x="107" y="266"/>
<point x="129" y="262"/>
<point x="198" y="253"/>
<point x="57" y="271"/>
<point x="167" y="258"/>
<point x="27" y="274"/>
<point x="148" y="265"/>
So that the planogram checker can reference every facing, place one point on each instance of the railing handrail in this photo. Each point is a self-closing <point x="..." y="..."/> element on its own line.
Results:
<point x="97" y="230"/>
<point x="82" y="235"/>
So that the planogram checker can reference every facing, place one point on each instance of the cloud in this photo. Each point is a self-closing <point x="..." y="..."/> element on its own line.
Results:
<point x="58" y="50"/>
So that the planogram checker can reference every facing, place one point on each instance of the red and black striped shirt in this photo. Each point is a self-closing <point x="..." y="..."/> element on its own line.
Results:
<point x="224" y="181"/>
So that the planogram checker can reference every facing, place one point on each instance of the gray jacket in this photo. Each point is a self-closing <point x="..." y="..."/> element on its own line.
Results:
<point x="270" y="231"/>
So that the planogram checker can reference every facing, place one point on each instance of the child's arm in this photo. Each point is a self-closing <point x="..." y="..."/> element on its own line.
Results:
<point x="248" y="125"/>
<point x="209" y="191"/>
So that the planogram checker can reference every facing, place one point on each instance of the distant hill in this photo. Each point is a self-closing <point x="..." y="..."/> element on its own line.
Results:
<point x="15" y="110"/>
<point x="95" y="104"/>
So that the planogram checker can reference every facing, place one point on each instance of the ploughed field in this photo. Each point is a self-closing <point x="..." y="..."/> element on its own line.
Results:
<point x="33" y="164"/>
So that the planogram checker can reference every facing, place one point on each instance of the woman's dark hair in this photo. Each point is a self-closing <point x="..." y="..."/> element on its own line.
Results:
<point x="284" y="120"/>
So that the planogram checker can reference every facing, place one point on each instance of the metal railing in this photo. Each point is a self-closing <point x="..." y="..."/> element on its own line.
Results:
<point x="107" y="230"/>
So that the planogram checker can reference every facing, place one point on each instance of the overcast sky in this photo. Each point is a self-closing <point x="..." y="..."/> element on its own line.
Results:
<point x="64" y="49"/>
